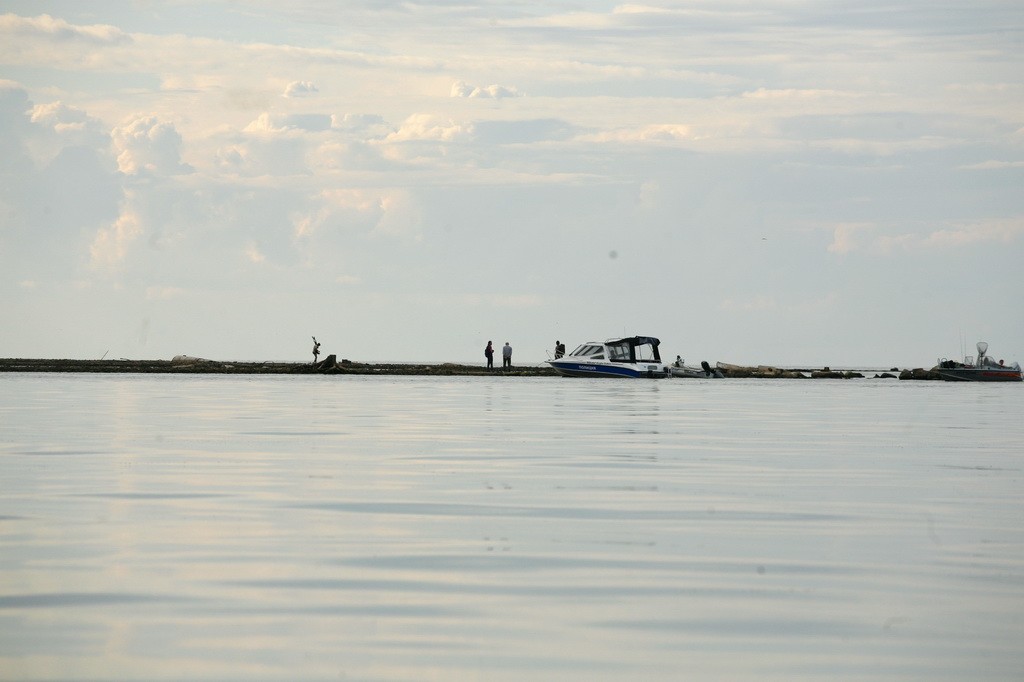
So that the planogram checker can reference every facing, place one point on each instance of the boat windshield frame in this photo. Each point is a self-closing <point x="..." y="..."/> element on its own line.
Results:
<point x="631" y="349"/>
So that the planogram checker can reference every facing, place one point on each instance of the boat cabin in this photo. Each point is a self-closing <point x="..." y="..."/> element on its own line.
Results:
<point x="630" y="349"/>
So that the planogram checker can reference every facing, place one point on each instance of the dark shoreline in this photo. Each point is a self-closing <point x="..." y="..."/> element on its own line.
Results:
<point x="198" y="366"/>
<point x="332" y="366"/>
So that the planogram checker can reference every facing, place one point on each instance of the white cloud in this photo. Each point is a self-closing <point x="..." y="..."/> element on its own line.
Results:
<point x="265" y="123"/>
<point x="465" y="90"/>
<point x="354" y="210"/>
<point x="661" y="132"/>
<point x="279" y="123"/>
<point x="866" y="237"/>
<point x="639" y="9"/>
<point x="69" y="125"/>
<point x="993" y="165"/>
<point x="368" y="126"/>
<point x="57" y="115"/>
<point x="254" y="254"/>
<point x="791" y="94"/>
<point x="887" y="245"/>
<point x="400" y="216"/>
<point x="360" y="200"/>
<point x="884" y="148"/>
<point x="279" y="154"/>
<point x="989" y="231"/>
<point x="144" y="144"/>
<point x="388" y="212"/>
<point x="60" y="30"/>
<point x="111" y="244"/>
<point x="232" y="157"/>
<point x="648" y="195"/>
<point x="428" y="127"/>
<point x="845" y="237"/>
<point x="300" y="89"/>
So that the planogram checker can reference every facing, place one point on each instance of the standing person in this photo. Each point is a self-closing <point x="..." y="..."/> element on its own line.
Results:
<point x="559" y="349"/>
<point x="506" y="356"/>
<point x="316" y="350"/>
<point x="489" y="354"/>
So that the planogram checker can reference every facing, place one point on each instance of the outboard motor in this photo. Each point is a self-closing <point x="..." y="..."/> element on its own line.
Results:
<point x="706" y="367"/>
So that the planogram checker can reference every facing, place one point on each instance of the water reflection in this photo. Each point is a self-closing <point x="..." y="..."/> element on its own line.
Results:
<point x="499" y="528"/>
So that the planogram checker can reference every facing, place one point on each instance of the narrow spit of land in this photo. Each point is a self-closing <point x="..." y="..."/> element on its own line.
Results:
<point x="199" y="366"/>
<point x="331" y="366"/>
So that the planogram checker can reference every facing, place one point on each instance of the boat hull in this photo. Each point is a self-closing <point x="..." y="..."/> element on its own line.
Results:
<point x="642" y="370"/>
<point x="978" y="374"/>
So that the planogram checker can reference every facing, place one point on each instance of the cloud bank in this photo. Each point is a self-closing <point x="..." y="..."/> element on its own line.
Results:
<point x="800" y="176"/>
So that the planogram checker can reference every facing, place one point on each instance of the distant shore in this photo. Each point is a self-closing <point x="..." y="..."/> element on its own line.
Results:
<point x="190" y="365"/>
<point x="203" y="366"/>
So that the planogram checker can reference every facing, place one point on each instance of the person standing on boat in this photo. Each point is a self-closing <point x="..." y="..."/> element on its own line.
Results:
<point x="489" y="354"/>
<point x="316" y="350"/>
<point x="559" y="349"/>
<point x="506" y="356"/>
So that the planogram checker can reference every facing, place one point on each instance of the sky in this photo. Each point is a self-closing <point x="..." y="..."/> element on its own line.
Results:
<point x="777" y="182"/>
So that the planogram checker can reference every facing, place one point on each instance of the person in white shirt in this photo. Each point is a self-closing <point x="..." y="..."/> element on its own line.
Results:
<point x="506" y="356"/>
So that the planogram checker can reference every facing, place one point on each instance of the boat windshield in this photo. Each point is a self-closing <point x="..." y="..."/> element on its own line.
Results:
<point x="620" y="352"/>
<point x="589" y="350"/>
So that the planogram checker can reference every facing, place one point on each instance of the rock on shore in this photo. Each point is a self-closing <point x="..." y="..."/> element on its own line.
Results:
<point x="769" y="372"/>
<point x="920" y="374"/>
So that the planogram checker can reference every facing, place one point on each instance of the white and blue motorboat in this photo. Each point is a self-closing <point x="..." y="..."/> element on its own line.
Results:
<point x="632" y="357"/>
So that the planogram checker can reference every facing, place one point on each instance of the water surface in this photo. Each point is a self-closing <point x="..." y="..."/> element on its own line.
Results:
<point x="478" y="528"/>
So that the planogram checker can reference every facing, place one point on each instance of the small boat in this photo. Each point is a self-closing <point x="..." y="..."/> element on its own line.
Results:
<point x="632" y="356"/>
<point x="982" y="369"/>
<point x="705" y="371"/>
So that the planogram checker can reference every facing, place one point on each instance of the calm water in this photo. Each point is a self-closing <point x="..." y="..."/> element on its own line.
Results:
<point x="509" y="529"/>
